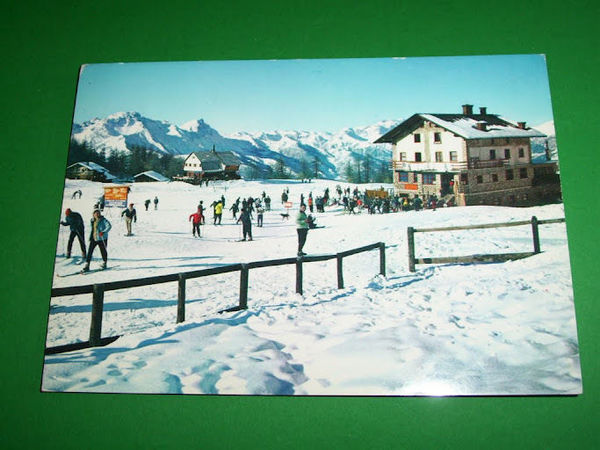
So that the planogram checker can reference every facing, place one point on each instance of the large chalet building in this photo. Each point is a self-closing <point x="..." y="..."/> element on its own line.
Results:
<point x="211" y="165"/>
<point x="475" y="158"/>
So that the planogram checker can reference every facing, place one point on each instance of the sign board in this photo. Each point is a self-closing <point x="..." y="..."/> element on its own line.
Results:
<point x="287" y="205"/>
<point x="410" y="187"/>
<point x="115" y="196"/>
<point x="377" y="193"/>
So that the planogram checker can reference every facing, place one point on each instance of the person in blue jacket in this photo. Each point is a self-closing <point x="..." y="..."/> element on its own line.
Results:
<point x="100" y="227"/>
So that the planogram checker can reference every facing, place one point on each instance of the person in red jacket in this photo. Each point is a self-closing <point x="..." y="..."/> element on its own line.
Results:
<point x="196" y="220"/>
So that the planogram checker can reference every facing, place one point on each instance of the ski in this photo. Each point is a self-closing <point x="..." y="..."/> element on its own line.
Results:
<point x="81" y="272"/>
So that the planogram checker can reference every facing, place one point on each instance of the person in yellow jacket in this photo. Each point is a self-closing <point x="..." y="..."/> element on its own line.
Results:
<point x="218" y="212"/>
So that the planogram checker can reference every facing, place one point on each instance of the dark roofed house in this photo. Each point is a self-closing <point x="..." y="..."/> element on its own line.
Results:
<point x="89" y="171"/>
<point x="211" y="165"/>
<point x="475" y="158"/>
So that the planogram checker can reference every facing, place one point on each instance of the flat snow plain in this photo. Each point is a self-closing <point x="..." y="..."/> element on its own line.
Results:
<point x="451" y="329"/>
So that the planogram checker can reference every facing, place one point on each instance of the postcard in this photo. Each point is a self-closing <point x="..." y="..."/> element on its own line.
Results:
<point x="360" y="227"/>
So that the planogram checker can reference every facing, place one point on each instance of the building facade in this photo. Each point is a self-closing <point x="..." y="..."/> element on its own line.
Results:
<point x="212" y="165"/>
<point x="471" y="158"/>
<point x="89" y="171"/>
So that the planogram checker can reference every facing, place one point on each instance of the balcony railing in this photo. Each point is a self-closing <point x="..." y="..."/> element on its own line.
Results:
<point x="452" y="166"/>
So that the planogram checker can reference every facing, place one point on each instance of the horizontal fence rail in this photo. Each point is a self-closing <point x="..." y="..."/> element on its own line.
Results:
<point x="497" y="257"/>
<point x="98" y="289"/>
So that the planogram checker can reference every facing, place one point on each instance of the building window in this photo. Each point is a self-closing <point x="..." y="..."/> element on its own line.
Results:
<point x="492" y="154"/>
<point x="507" y="141"/>
<point x="438" y="157"/>
<point x="418" y="157"/>
<point x="495" y="177"/>
<point x="479" y="179"/>
<point x="509" y="174"/>
<point x="453" y="156"/>
<point x="437" y="137"/>
<point x="402" y="156"/>
<point x="507" y="153"/>
<point x="429" y="178"/>
<point x="403" y="177"/>
<point x="521" y="153"/>
<point x="464" y="178"/>
<point x="523" y="172"/>
<point x="417" y="137"/>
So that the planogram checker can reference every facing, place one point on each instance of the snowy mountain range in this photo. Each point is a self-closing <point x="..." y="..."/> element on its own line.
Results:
<point x="332" y="150"/>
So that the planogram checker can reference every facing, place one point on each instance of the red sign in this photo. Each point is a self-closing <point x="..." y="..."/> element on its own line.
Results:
<point x="288" y="205"/>
<point x="410" y="187"/>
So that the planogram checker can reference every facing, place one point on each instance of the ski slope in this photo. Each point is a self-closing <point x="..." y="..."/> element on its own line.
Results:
<point x="470" y="329"/>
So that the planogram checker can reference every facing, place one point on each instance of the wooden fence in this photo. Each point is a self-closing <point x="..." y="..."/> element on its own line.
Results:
<point x="498" y="257"/>
<point x="97" y="290"/>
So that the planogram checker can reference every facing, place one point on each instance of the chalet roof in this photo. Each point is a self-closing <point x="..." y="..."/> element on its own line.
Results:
<point x="152" y="174"/>
<point x="227" y="158"/>
<point x="462" y="125"/>
<point x="210" y="165"/>
<point x="95" y="167"/>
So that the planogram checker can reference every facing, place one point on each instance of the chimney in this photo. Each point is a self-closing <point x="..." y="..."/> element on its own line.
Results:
<point x="483" y="110"/>
<point x="521" y="125"/>
<point x="481" y="126"/>
<point x="467" y="110"/>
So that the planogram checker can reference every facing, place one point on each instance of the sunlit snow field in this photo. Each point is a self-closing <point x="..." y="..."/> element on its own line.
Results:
<point x="454" y="329"/>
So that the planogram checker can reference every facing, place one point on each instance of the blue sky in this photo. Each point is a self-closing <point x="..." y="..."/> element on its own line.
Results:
<point x="317" y="94"/>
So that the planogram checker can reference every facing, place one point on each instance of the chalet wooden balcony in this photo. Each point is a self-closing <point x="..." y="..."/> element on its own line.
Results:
<point x="452" y="166"/>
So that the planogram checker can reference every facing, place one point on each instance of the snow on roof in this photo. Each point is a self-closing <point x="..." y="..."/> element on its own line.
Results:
<point x="154" y="175"/>
<point x="466" y="126"/>
<point x="228" y="158"/>
<point x="463" y="125"/>
<point x="211" y="165"/>
<point x="95" y="167"/>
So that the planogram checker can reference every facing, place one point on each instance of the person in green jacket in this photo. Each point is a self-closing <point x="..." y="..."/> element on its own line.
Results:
<point x="301" y="228"/>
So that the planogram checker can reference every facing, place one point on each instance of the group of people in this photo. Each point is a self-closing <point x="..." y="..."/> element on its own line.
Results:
<point x="246" y="208"/>
<point x="99" y="226"/>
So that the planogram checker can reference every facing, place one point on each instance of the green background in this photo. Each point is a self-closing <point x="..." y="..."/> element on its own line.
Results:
<point x="44" y="45"/>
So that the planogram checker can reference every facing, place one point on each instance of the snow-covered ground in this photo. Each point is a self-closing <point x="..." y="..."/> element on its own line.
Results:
<point x="455" y="329"/>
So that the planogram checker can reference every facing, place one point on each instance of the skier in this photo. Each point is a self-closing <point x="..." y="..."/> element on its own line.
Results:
<point x="75" y="222"/>
<point x="98" y="238"/>
<point x="284" y="197"/>
<point x="196" y="220"/>
<point x="147" y="203"/>
<point x="130" y="215"/>
<point x="310" y="202"/>
<point x="155" y="203"/>
<point x="301" y="228"/>
<point x="234" y="208"/>
<point x="259" y="214"/>
<point x="201" y="211"/>
<point x="218" y="212"/>
<point x="268" y="203"/>
<point x="246" y="219"/>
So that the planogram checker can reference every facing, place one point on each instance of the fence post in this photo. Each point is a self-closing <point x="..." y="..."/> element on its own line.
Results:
<point x="382" y="258"/>
<point x="340" y="271"/>
<point x="181" y="299"/>
<point x="244" y="272"/>
<point x="97" y="308"/>
<point x="411" y="248"/>
<point x="536" y="235"/>
<point x="299" y="275"/>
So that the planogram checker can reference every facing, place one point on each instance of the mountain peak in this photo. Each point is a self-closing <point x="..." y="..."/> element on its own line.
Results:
<point x="194" y="125"/>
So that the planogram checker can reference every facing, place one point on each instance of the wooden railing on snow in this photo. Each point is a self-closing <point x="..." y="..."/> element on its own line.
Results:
<point x="97" y="290"/>
<point x="498" y="257"/>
